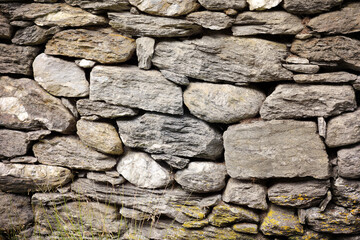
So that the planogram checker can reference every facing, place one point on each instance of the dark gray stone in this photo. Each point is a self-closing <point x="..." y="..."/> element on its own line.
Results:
<point x="310" y="6"/>
<point x="34" y="35"/>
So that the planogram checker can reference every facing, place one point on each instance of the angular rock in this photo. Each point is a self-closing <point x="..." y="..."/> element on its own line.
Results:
<point x="298" y="194"/>
<point x="223" y="4"/>
<point x="143" y="171"/>
<point x="144" y="51"/>
<point x="173" y="161"/>
<point x="13" y="143"/>
<point x="202" y="177"/>
<point x="25" y="105"/>
<point x="330" y="49"/>
<point x="60" y="77"/>
<point x="101" y="5"/>
<point x="99" y="135"/>
<point x="5" y="28"/>
<point x="103" y="45"/>
<point x="23" y="178"/>
<point x="132" y="87"/>
<point x="277" y="148"/>
<point x="333" y="77"/>
<point x="151" y="26"/>
<point x="222" y="103"/>
<point x="70" y="105"/>
<point x="262" y="4"/>
<point x="182" y="136"/>
<point x="321" y="126"/>
<point x="343" y="130"/>
<point x="249" y="228"/>
<point x="349" y="162"/>
<point x="175" y="78"/>
<point x="70" y="152"/>
<point x="84" y="63"/>
<point x="166" y="7"/>
<point x="302" y="68"/>
<point x="17" y="59"/>
<point x="346" y="193"/>
<point x="211" y="20"/>
<point x="250" y="194"/>
<point x="223" y="58"/>
<point x="274" y="22"/>
<point x="303" y="101"/>
<point x="309" y="6"/>
<point x="34" y="35"/>
<point x="33" y="10"/>
<point x="281" y="221"/>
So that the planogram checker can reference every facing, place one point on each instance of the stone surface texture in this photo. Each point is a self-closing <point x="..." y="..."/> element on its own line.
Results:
<point x="101" y="5"/>
<point x="211" y="20"/>
<point x="5" y="27"/>
<point x="169" y="8"/>
<point x="309" y="6"/>
<point x="346" y="193"/>
<point x="349" y="162"/>
<point x="144" y="51"/>
<point x="262" y="4"/>
<point x="34" y="35"/>
<point x="334" y="77"/>
<point x="223" y="4"/>
<point x="13" y="143"/>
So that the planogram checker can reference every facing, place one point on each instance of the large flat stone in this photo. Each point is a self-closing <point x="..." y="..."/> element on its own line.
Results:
<point x="277" y="148"/>
<point x="103" y="45"/>
<point x="346" y="193"/>
<point x="25" y="105"/>
<point x="222" y="58"/>
<point x="211" y="20"/>
<point x="34" y="35"/>
<point x="310" y="6"/>
<point x="349" y="162"/>
<point x="101" y="5"/>
<point x="132" y="87"/>
<point x="223" y="4"/>
<point x="166" y="7"/>
<point x="333" y="77"/>
<point x="32" y="11"/>
<point x="5" y="27"/>
<point x="180" y="136"/>
<point x="304" y="101"/>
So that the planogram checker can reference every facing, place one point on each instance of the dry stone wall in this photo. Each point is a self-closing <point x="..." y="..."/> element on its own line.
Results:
<point x="180" y="119"/>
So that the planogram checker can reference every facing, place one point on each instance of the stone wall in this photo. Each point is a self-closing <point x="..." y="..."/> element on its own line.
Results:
<point x="180" y="119"/>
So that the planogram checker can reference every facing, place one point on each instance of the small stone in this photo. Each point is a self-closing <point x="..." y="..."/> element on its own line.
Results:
<point x="197" y="224"/>
<point x="135" y="214"/>
<point x="248" y="228"/>
<point x="333" y="77"/>
<point x="174" y="161"/>
<point x="223" y="4"/>
<point x="194" y="211"/>
<point x="101" y="5"/>
<point x="356" y="84"/>
<point x="346" y="193"/>
<point x="175" y="78"/>
<point x="349" y="162"/>
<point x="343" y="130"/>
<point x="231" y="12"/>
<point x="70" y="104"/>
<point x="325" y="202"/>
<point x="202" y="177"/>
<point x="144" y="51"/>
<point x="104" y="178"/>
<point x="21" y="24"/>
<point x="321" y="127"/>
<point x="24" y="159"/>
<point x="143" y="171"/>
<point x="293" y="59"/>
<point x="34" y="35"/>
<point x="13" y="143"/>
<point x="84" y="63"/>
<point x="262" y="4"/>
<point x="250" y="194"/>
<point x="302" y="68"/>
<point x="99" y="135"/>
<point x="281" y="221"/>
<point x="306" y="7"/>
<point x="211" y="20"/>
<point x="5" y="27"/>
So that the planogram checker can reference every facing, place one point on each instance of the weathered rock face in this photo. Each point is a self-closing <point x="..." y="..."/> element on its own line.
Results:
<point x="13" y="143"/>
<point x="250" y="150"/>
<point x="298" y="194"/>
<point x="311" y="235"/>
<point x="5" y="27"/>
<point x="334" y="77"/>
<point x="25" y="105"/>
<point x="310" y="6"/>
<point x="249" y="228"/>
<point x="180" y="136"/>
<point x="107" y="177"/>
<point x="349" y="162"/>
<point x="143" y="171"/>
<point x="245" y="193"/>
<point x="202" y="177"/>
<point x="99" y="5"/>
<point x="33" y="10"/>
<point x="211" y="20"/>
<point x="343" y="130"/>
<point x="69" y="151"/>
<point x="302" y="68"/>
<point x="34" y="35"/>
<point x="262" y="4"/>
<point x="274" y="22"/>
<point x="222" y="103"/>
<point x="302" y="101"/>
<point x="346" y="193"/>
<point x="23" y="178"/>
<point x="104" y="46"/>
<point x="132" y="87"/>
<point x="223" y="4"/>
<point x="173" y="161"/>
<point x="144" y="51"/>
<point x="222" y="58"/>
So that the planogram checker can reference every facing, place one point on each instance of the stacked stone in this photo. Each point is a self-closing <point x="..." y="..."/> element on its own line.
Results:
<point x="180" y="119"/>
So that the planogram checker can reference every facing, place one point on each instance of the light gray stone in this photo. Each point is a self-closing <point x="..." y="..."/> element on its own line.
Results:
<point x="132" y="87"/>
<point x="223" y="4"/>
<point x="143" y="171"/>
<point x="5" y="27"/>
<point x="101" y="5"/>
<point x="34" y="35"/>
<point x="303" y="101"/>
<point x="24" y="159"/>
<point x="343" y="130"/>
<point x="70" y="104"/>
<point x="333" y="77"/>
<point x="223" y="58"/>
<point x="222" y="103"/>
<point x="183" y="136"/>
<point x="33" y="10"/>
<point x="13" y="143"/>
<point x="170" y="8"/>
<point x="302" y="68"/>
<point x="105" y="178"/>
<point x="346" y="193"/>
<point x="173" y="161"/>
<point x="262" y="4"/>
<point x="144" y="51"/>
<point x="293" y="59"/>
<point x="69" y="151"/>
<point x="321" y="126"/>
<point x="277" y="148"/>
<point x="250" y="194"/>
<point x="310" y="6"/>
<point x="134" y="214"/>
<point x="349" y="162"/>
<point x="202" y="177"/>
<point x="175" y="78"/>
<point x="151" y="26"/>
<point x="25" y="105"/>
<point x="84" y="63"/>
<point x="211" y="20"/>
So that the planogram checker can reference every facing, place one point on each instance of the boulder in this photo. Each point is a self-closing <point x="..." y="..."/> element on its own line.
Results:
<point x="166" y="7"/>
<point x="305" y="7"/>
<point x="211" y="20"/>
<point x="349" y="162"/>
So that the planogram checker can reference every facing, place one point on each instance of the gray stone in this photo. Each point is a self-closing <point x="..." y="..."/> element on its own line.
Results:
<point x="105" y="178"/>
<point x="134" y="214"/>
<point x="95" y="109"/>
<point x="277" y="148"/>
<point x="223" y="58"/>
<point x="144" y="51"/>
<point x="223" y="4"/>
<point x="343" y="130"/>
<point x="250" y="194"/>
<point x="303" y="101"/>
<point x="168" y="8"/>
<point x="330" y="49"/>
<point x="24" y="159"/>
<point x="84" y="63"/>
<point x="55" y="198"/>
<point x="101" y="5"/>
<point x="248" y="228"/>
<point x="13" y="143"/>
<point x="60" y="77"/>
<point x="310" y="6"/>
<point x="175" y="78"/>
<point x="321" y="126"/>
<point x="296" y="60"/>
<point x="202" y="177"/>
<point x="70" y="152"/>
<point x="143" y="171"/>
<point x="211" y="20"/>
<point x="302" y="68"/>
<point x="346" y="193"/>
<point x="70" y="104"/>
<point x="274" y="22"/>
<point x="349" y="162"/>
<point x="151" y="26"/>
<point x="100" y="135"/>
<point x="33" y="10"/>
<point x="17" y="59"/>
<point x="103" y="45"/>
<point x="333" y="77"/>
<point x="183" y="136"/>
<point x="262" y="4"/>
<point x="302" y="194"/>
<point x="25" y="105"/>
<point x="173" y="161"/>
<point x="23" y="178"/>
<point x="222" y="103"/>
<point x="34" y="35"/>
<point x="5" y="27"/>
<point x="132" y="87"/>
<point x="344" y="21"/>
